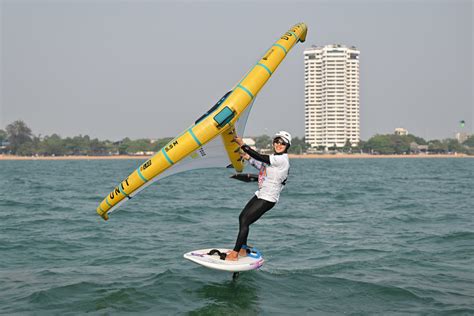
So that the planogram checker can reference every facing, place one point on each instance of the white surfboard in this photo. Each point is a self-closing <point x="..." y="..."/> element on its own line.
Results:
<point x="251" y="262"/>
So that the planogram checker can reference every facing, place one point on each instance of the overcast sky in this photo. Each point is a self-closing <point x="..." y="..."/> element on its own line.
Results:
<point x="112" y="69"/>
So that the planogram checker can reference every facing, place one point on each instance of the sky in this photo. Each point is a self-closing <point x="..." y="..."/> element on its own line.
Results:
<point x="149" y="69"/>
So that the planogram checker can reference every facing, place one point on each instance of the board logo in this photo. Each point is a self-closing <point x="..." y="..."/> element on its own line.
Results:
<point x="286" y="36"/>
<point x="171" y="146"/>
<point x="145" y="165"/>
<point x="116" y="191"/>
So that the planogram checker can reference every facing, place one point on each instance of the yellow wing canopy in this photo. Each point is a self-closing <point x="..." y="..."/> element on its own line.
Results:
<point x="199" y="145"/>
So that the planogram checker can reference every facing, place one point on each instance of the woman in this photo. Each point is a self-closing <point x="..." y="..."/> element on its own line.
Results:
<point x="271" y="179"/>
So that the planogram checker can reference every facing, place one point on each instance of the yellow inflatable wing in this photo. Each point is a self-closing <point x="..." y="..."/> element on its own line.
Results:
<point x="199" y="145"/>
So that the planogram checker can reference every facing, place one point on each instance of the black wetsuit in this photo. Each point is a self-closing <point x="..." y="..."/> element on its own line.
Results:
<point x="255" y="208"/>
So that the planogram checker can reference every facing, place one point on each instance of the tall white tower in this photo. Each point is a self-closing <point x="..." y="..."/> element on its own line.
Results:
<point x="332" y="96"/>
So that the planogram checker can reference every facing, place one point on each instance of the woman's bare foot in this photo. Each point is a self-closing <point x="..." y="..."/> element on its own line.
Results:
<point x="232" y="256"/>
<point x="243" y="252"/>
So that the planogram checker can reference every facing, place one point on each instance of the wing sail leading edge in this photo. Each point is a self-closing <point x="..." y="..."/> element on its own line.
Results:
<point x="211" y="155"/>
<point x="224" y="115"/>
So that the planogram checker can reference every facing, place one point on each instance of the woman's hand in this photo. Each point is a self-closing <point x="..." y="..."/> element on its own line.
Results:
<point x="245" y="156"/>
<point x="239" y="141"/>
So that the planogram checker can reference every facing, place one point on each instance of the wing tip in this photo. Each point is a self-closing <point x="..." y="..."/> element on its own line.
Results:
<point x="102" y="214"/>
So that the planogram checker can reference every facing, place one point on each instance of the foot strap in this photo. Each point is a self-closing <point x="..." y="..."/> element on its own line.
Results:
<point x="252" y="252"/>
<point x="217" y="252"/>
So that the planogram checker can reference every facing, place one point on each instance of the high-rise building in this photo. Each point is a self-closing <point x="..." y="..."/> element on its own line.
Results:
<point x="332" y="96"/>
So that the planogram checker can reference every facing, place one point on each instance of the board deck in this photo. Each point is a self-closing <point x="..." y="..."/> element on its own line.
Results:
<point x="247" y="263"/>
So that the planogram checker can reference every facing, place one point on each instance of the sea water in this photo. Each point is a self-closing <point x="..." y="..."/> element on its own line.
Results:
<point x="349" y="236"/>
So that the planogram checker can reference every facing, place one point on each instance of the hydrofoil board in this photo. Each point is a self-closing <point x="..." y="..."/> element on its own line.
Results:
<point x="214" y="258"/>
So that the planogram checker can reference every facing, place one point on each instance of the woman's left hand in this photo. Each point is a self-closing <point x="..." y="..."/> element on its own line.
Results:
<point x="245" y="156"/>
<point x="239" y="141"/>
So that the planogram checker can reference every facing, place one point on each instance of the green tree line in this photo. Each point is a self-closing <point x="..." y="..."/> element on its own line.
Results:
<point x="401" y="144"/>
<point x="18" y="139"/>
<point x="387" y="144"/>
<point x="391" y="144"/>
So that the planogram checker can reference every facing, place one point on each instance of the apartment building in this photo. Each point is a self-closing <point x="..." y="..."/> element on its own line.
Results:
<point x="332" y="96"/>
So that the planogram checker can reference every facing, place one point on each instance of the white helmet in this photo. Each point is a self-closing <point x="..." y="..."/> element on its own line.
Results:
<point x="284" y="135"/>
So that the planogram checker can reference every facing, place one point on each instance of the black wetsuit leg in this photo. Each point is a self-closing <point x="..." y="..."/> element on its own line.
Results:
<point x="254" y="209"/>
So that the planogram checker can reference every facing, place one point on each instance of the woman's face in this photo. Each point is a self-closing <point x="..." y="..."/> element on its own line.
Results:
<point x="279" y="145"/>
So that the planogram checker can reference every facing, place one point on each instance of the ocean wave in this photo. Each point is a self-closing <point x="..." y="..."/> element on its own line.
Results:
<point x="89" y="297"/>
<point x="362" y="237"/>
<point x="313" y="276"/>
<point x="448" y="237"/>
<point x="114" y="260"/>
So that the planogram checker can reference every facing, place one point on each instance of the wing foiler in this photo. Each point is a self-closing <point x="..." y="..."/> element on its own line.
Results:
<point x="199" y="145"/>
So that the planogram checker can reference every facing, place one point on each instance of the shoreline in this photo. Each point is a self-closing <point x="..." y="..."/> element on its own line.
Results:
<point x="291" y="156"/>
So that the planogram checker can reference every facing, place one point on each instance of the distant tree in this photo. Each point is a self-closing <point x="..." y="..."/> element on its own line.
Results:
<point x="263" y="142"/>
<point x="123" y="146"/>
<point x="25" y="149"/>
<point x="52" y="146"/>
<point x="3" y="136"/>
<point x="3" y="141"/>
<point x="127" y="146"/>
<point x="298" y="146"/>
<point x="77" y="145"/>
<point x="110" y="147"/>
<point x="19" y="135"/>
<point x="333" y="147"/>
<point x="437" y="147"/>
<point x="380" y="144"/>
<point x="347" y="146"/>
<point x="97" y="147"/>
<point x="139" y="145"/>
<point x="400" y="144"/>
<point x="306" y="145"/>
<point x="35" y="145"/>
<point x="469" y="141"/>
<point x="160" y="143"/>
<point x="416" y="139"/>
<point x="389" y="144"/>
<point x="360" y="146"/>
<point x="455" y="146"/>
